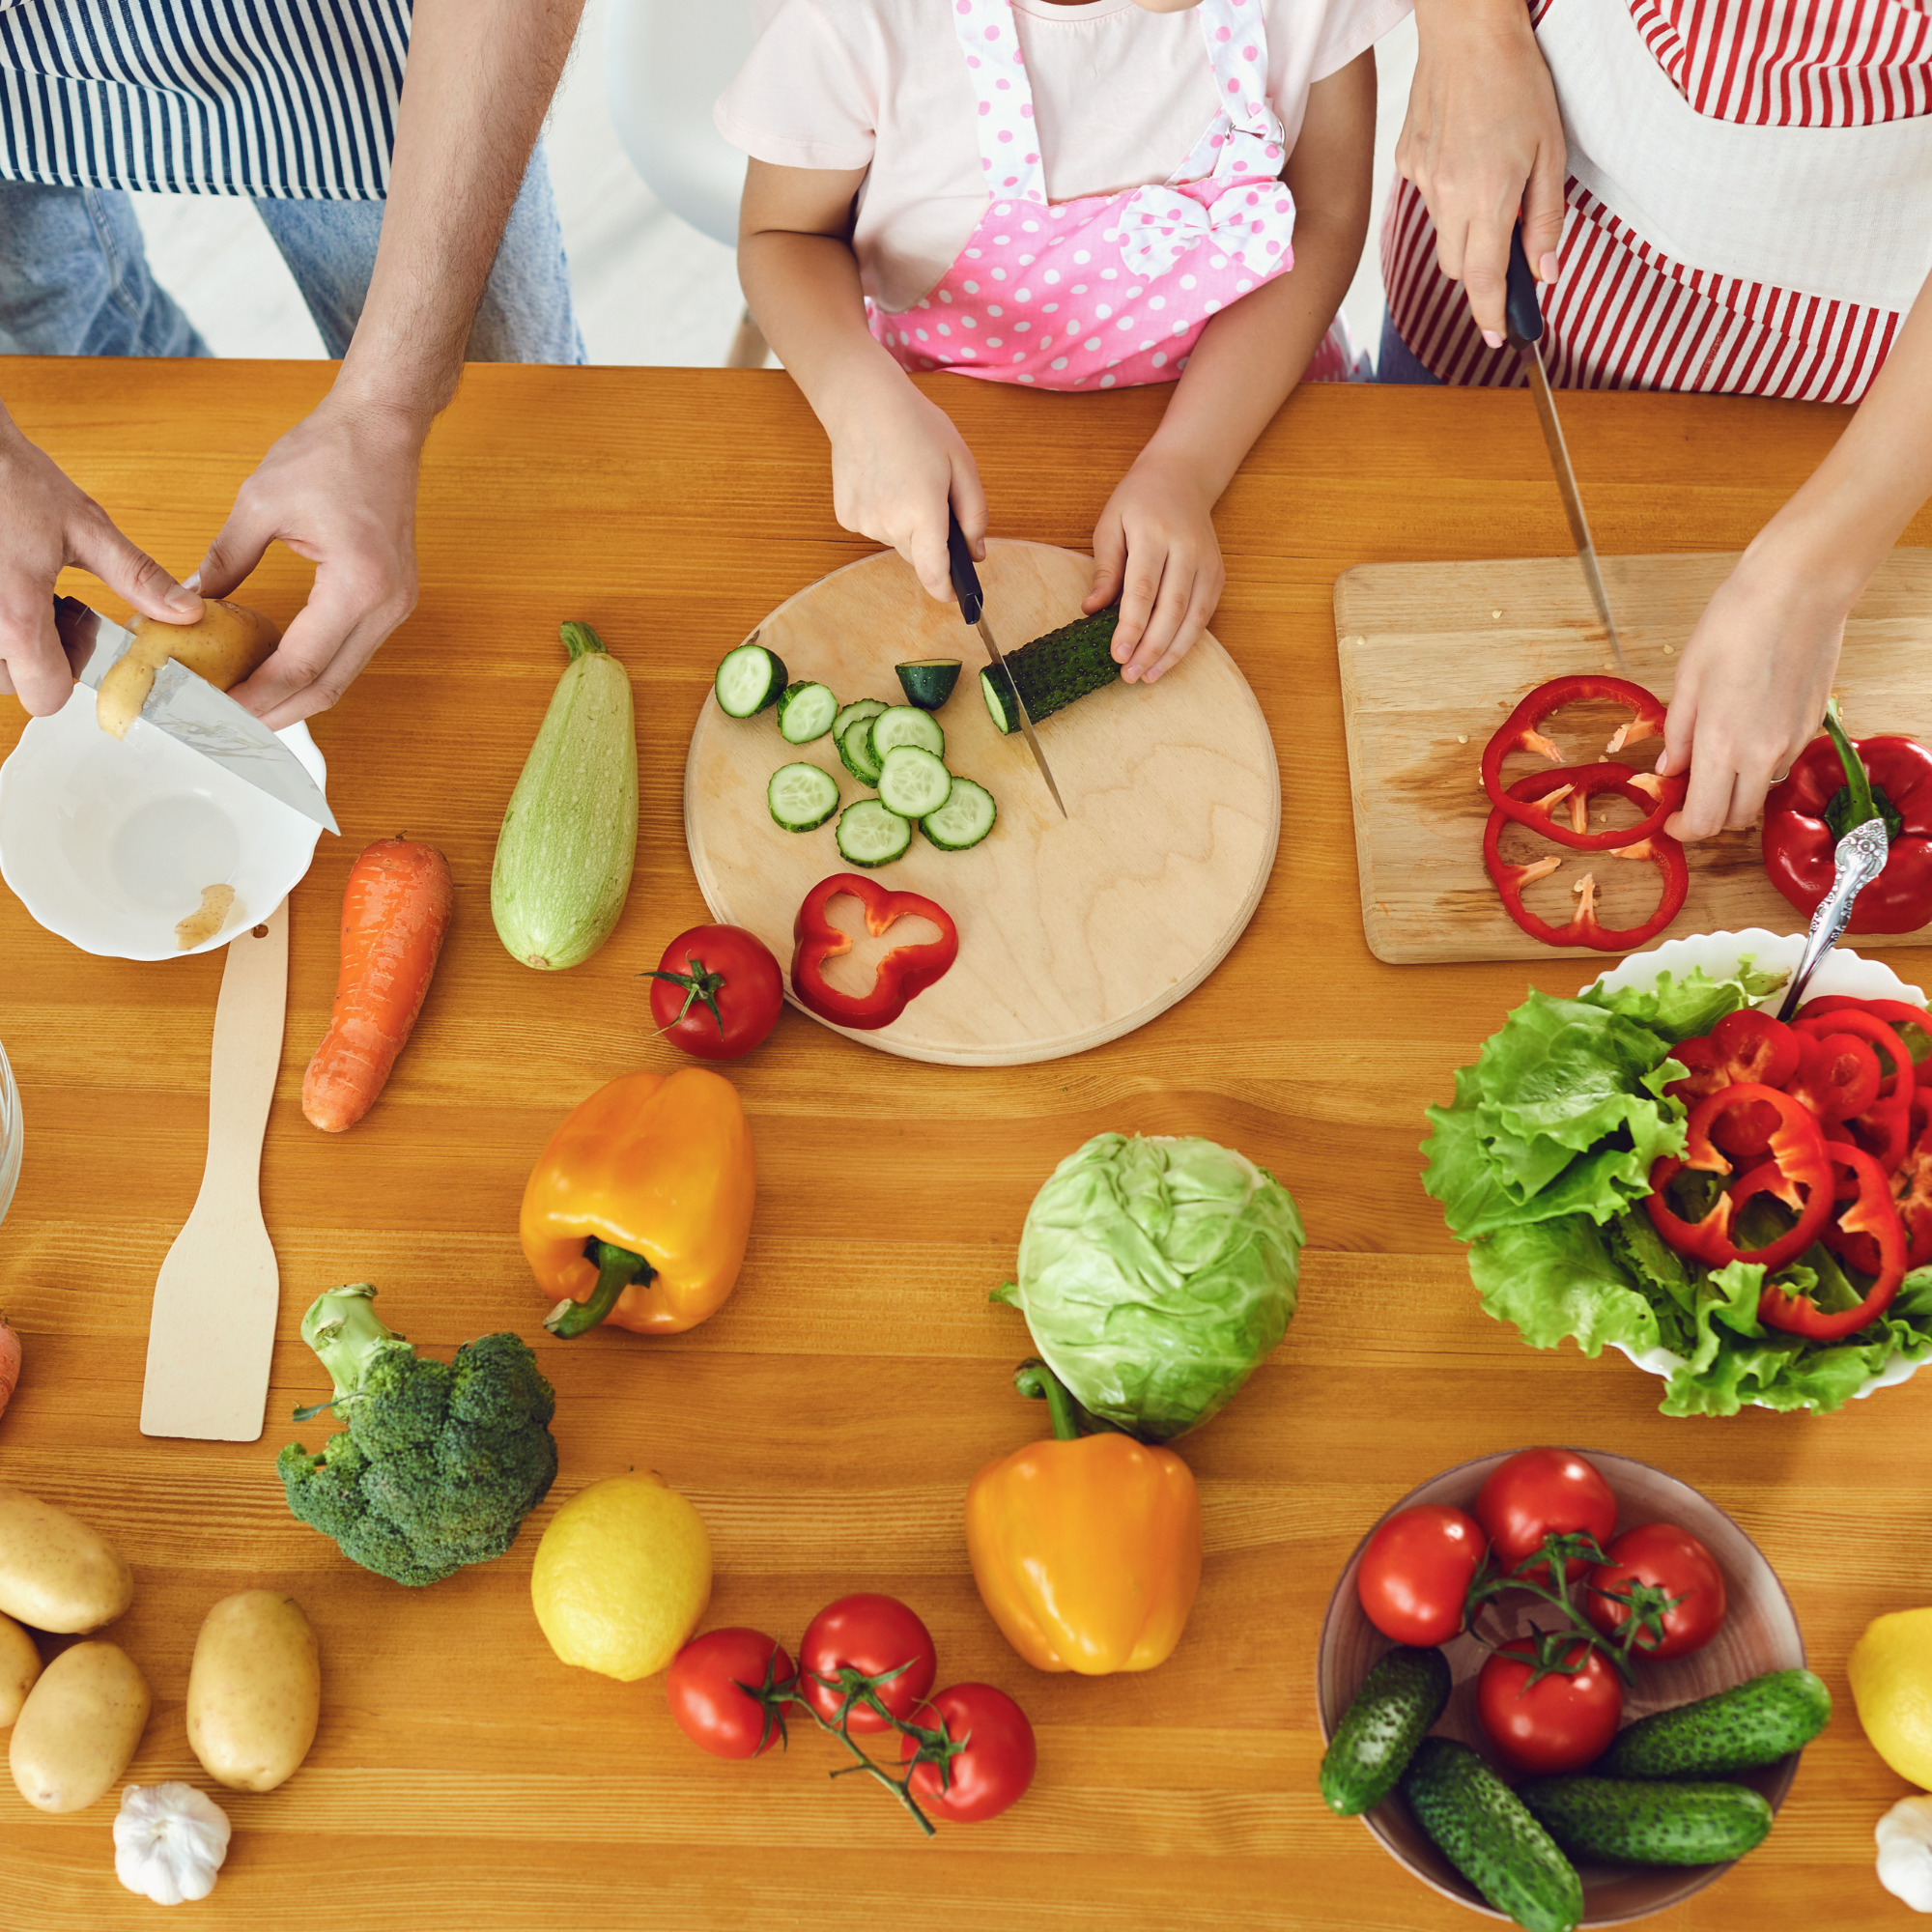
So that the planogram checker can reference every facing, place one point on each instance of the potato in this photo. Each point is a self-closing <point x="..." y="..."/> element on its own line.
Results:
<point x="55" y="1572"/>
<point x="80" y="1726"/>
<point x="255" y="1691"/>
<point x="224" y="645"/>
<point x="19" y="1665"/>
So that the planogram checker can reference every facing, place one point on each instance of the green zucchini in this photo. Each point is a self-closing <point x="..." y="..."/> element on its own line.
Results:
<point x="570" y="835"/>
<point x="1648" y="1824"/>
<point x="1750" y="1725"/>
<point x="1386" y="1718"/>
<point x="928" y="682"/>
<point x="1054" y="670"/>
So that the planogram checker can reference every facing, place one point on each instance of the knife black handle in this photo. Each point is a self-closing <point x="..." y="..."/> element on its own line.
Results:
<point x="959" y="560"/>
<point x="1523" y="313"/>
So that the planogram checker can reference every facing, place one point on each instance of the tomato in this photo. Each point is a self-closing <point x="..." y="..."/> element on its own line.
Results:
<point x="995" y="1768"/>
<point x="707" y="1695"/>
<point x="1561" y="1723"/>
<point x="1416" y="1571"/>
<point x="1675" y="1563"/>
<point x="1539" y="1492"/>
<point x="872" y="1634"/>
<point x="717" y="992"/>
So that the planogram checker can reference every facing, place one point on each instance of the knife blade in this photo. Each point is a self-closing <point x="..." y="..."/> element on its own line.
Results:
<point x="193" y="713"/>
<point x="972" y="608"/>
<point x="1522" y="328"/>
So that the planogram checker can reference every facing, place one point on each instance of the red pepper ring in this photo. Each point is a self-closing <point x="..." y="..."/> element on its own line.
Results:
<point x="904" y="973"/>
<point x="1517" y="732"/>
<point x="1585" y="928"/>
<point x="1533" y="799"/>
<point x="1866" y="1026"/>
<point x="1873" y="1215"/>
<point x="1897" y="1015"/>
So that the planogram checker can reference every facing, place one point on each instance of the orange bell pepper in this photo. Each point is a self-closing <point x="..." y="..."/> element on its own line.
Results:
<point x="1086" y="1549"/>
<point x="639" y="1208"/>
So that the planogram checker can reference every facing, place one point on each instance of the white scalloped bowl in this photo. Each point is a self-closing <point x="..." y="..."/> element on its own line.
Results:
<point x="1841" y="971"/>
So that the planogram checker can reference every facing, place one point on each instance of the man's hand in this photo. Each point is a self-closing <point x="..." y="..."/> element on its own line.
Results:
<point x="1158" y="552"/>
<point x="47" y="524"/>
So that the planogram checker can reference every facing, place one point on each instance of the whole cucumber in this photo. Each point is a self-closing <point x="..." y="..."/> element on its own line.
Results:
<point x="1639" y="1824"/>
<point x="1752" y="1723"/>
<point x="1386" y="1718"/>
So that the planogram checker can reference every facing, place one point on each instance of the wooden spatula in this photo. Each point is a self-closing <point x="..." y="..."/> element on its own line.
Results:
<point x="212" y="1330"/>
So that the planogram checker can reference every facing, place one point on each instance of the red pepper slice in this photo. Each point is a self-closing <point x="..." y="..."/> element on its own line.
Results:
<point x="1519" y="732"/>
<point x="1898" y="1014"/>
<point x="1836" y="1077"/>
<point x="1745" y="1045"/>
<point x="1884" y="1131"/>
<point x="903" y="973"/>
<point x="1912" y="1194"/>
<point x="1533" y="801"/>
<point x="1872" y="1216"/>
<point x="1868" y="1026"/>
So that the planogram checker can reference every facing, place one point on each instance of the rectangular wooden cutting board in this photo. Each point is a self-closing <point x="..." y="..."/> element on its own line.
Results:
<point x="1434" y="655"/>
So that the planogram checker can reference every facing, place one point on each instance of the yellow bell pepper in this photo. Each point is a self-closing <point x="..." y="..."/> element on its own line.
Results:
<point x="1086" y="1549"/>
<point x="639" y="1208"/>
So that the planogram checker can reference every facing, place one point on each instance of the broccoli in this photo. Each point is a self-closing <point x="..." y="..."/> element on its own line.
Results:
<point x="440" y="1462"/>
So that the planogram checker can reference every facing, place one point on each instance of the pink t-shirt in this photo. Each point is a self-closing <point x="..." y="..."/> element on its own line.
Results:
<point x="1121" y="96"/>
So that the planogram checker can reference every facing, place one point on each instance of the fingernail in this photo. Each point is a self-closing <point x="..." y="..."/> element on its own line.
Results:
<point x="1490" y="337"/>
<point x="1662" y="759"/>
<point x="1547" y="267"/>
<point x="193" y="580"/>
<point x="183" y="597"/>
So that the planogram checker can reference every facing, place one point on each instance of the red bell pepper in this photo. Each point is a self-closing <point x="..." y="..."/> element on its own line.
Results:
<point x="903" y="973"/>
<point x="1533" y="801"/>
<point x="1912" y="1195"/>
<point x="1897" y="1015"/>
<point x="1836" y="1077"/>
<point x="1867" y="1027"/>
<point x="1519" y="731"/>
<point x="1871" y="1216"/>
<point x="1745" y="1045"/>
<point x="1884" y="1131"/>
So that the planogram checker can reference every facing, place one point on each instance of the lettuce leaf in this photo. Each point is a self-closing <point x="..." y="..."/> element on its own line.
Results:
<point x="1687" y="1007"/>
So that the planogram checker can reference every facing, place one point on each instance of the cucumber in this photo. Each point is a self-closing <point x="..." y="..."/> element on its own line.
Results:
<point x="1400" y="1698"/>
<point x="563" y="860"/>
<point x="1649" y="1823"/>
<point x="806" y="712"/>
<point x="1752" y="1723"/>
<point x="749" y="678"/>
<point x="905" y="725"/>
<point x="913" y="783"/>
<point x="854" y="750"/>
<point x="928" y="682"/>
<point x="963" y="820"/>
<point x="869" y="833"/>
<point x="1054" y="670"/>
<point x="1490" y="1837"/>
<point x="864" y="707"/>
<point x="801" y="797"/>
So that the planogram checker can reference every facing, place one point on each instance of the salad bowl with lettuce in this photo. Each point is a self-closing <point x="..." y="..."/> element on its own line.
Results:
<point x="1542" y="1164"/>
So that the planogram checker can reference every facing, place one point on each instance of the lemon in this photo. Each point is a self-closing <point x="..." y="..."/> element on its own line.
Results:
<point x="1891" y="1668"/>
<point x="622" y="1575"/>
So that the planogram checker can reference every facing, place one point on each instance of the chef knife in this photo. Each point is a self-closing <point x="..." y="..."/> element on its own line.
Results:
<point x="972" y="607"/>
<point x="1523" y="326"/>
<point x="191" y="711"/>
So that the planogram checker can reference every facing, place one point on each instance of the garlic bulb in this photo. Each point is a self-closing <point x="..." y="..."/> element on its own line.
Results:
<point x="1905" y="1852"/>
<point x="169" y="1842"/>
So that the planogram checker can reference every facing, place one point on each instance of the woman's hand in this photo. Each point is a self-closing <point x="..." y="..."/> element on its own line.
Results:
<point x="1158" y="552"/>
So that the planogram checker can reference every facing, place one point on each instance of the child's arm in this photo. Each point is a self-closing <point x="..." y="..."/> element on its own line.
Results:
<point x="896" y="460"/>
<point x="1155" y="543"/>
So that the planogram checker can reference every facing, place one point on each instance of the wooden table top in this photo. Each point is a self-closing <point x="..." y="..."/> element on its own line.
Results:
<point x="827" y="1420"/>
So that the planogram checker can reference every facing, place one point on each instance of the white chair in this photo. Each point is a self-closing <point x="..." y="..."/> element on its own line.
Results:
<point x="664" y="63"/>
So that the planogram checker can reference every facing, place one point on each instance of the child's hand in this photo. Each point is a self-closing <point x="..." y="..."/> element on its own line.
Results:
<point x="1158" y="552"/>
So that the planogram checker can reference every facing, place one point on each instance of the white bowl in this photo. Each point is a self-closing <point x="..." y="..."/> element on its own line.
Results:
<point x="109" y="842"/>
<point x="1841" y="971"/>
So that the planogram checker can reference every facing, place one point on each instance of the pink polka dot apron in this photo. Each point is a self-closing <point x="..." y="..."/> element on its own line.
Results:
<point x="1110" y="290"/>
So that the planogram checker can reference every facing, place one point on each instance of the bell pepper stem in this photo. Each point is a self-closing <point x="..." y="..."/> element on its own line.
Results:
<point x="1863" y="808"/>
<point x="616" y="1268"/>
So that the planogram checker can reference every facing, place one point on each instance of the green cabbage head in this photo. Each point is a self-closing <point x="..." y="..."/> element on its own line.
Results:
<point x="1154" y="1274"/>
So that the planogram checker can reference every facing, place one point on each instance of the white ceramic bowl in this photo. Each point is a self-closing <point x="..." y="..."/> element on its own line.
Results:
<point x="1842" y="971"/>
<point x="108" y="842"/>
<point x="12" y="1135"/>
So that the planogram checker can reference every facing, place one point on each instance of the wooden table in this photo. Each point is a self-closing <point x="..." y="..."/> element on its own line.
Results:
<point x="827" y="1420"/>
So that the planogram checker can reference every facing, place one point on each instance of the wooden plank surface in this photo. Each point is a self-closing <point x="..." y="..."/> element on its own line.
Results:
<point x="1433" y="656"/>
<point x="826" y="1421"/>
<point x="1073" y="930"/>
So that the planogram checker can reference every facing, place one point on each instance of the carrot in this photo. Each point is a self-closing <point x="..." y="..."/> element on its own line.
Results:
<point x="9" y="1364"/>
<point x="395" y="911"/>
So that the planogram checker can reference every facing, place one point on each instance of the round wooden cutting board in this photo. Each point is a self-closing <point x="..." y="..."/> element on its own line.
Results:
<point x="1072" y="931"/>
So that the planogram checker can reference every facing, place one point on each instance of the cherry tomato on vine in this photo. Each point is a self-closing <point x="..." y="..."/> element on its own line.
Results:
<point x="717" y="992"/>
<point x="1541" y="1493"/>
<point x="1416" y="1571"/>
<point x="1672" y="1563"/>
<point x="706" y="1683"/>
<point x="994" y="1769"/>
<point x="1560" y="1722"/>
<point x="872" y="1634"/>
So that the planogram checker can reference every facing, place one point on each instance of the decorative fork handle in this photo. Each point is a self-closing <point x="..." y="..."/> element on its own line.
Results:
<point x="1859" y="858"/>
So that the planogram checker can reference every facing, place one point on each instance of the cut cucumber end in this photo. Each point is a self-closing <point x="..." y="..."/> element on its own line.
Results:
<point x="801" y="797"/>
<point x="749" y="678"/>
<point x="806" y="712"/>
<point x="1003" y="702"/>
<point x="870" y="833"/>
<point x="927" y="682"/>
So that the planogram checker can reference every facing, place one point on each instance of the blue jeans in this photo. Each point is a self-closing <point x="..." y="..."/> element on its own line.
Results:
<point x="74" y="280"/>
<point x="1396" y="361"/>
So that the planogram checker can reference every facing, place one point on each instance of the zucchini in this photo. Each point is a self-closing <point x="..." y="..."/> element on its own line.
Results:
<point x="864" y="707"/>
<point x="928" y="682"/>
<point x="913" y="783"/>
<point x="801" y="797"/>
<point x="806" y="712"/>
<point x="1054" y="670"/>
<point x="1752" y="1723"/>
<point x="1386" y="1718"/>
<point x="963" y="820"/>
<point x="570" y="835"/>
<point x="1649" y="1823"/>
<point x="905" y="725"/>
<point x="869" y="833"/>
<point x="854" y="750"/>
<point x="749" y="678"/>
<point x="1490" y="1836"/>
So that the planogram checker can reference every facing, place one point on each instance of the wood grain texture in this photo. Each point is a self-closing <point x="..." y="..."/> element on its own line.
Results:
<point x="1433" y="656"/>
<point x="827" y="1420"/>
<point x="1073" y="930"/>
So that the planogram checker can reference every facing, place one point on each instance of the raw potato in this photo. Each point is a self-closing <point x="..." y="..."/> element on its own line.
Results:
<point x="255" y="1691"/>
<point x="55" y="1572"/>
<point x="19" y="1665"/>
<point x="224" y="645"/>
<point x="80" y="1728"/>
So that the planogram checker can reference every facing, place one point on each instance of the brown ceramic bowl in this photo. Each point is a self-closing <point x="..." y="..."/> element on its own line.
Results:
<point x="1760" y="1633"/>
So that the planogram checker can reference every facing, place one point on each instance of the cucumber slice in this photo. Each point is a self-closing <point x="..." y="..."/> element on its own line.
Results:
<point x="905" y="725"/>
<point x="912" y="781"/>
<point x="963" y="820"/>
<point x="928" y="681"/>
<point x="749" y="678"/>
<point x="869" y="833"/>
<point x="865" y="707"/>
<point x="802" y="796"/>
<point x="806" y="712"/>
<point x="854" y="750"/>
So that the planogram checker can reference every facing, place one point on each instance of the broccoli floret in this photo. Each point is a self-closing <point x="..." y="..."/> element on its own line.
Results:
<point x="439" y="1462"/>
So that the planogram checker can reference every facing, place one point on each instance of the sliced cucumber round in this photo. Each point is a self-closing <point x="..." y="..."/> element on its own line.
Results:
<point x="905" y="725"/>
<point x="869" y="833"/>
<point x="749" y="678"/>
<point x="806" y="712"/>
<point x="963" y="820"/>
<point x="855" y="752"/>
<point x="912" y="781"/>
<point x="802" y="796"/>
<point x="864" y="707"/>
<point x="928" y="681"/>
